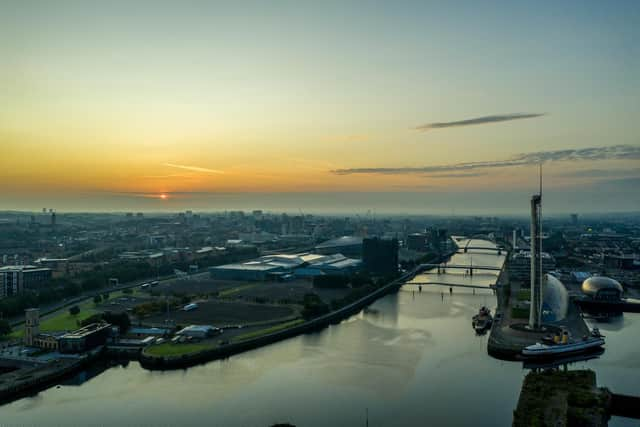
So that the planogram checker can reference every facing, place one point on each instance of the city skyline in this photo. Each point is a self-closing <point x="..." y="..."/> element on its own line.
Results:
<point x="343" y="107"/>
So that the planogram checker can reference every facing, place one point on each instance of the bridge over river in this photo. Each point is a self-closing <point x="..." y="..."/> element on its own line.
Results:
<point x="478" y="268"/>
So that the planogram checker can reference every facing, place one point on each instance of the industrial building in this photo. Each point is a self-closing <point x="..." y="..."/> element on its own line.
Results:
<point x="380" y="256"/>
<point x="622" y="262"/>
<point x="85" y="338"/>
<point x="345" y="245"/>
<point x="15" y="279"/>
<point x="602" y="288"/>
<point x="284" y="266"/>
<point x="520" y="266"/>
<point x="417" y="242"/>
<point x="199" y="331"/>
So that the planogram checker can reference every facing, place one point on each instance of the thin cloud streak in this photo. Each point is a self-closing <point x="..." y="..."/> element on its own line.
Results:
<point x="193" y="168"/>
<point x="615" y="152"/>
<point x="600" y="173"/>
<point x="479" y="121"/>
<point x="457" y="175"/>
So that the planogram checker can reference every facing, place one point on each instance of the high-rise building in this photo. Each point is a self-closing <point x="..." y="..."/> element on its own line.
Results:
<point x="574" y="219"/>
<point x="417" y="242"/>
<point x="380" y="256"/>
<point x="15" y="278"/>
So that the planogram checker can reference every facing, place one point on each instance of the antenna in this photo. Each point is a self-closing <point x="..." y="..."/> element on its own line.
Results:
<point x="540" y="180"/>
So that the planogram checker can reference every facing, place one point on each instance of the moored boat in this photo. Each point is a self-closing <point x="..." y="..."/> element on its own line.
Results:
<point x="562" y="345"/>
<point x="482" y="321"/>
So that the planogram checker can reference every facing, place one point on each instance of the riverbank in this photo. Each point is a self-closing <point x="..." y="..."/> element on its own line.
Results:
<point x="27" y="381"/>
<point x="152" y="360"/>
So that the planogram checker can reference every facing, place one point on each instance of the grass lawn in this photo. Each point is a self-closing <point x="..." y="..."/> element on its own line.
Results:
<point x="519" y="313"/>
<point x="171" y="349"/>
<point x="62" y="320"/>
<point x="524" y="295"/>
<point x="266" y="331"/>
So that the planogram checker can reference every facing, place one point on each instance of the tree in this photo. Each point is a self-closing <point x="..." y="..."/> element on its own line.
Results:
<point x="97" y="299"/>
<point x="313" y="306"/>
<point x="74" y="310"/>
<point x="5" y="327"/>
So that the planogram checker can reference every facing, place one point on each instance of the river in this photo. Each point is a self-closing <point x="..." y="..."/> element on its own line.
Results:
<point x="410" y="359"/>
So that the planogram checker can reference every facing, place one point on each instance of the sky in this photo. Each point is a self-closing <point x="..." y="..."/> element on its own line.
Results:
<point x="393" y="106"/>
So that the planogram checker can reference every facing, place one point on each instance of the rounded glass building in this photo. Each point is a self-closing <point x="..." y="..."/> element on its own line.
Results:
<point x="602" y="288"/>
<point x="555" y="299"/>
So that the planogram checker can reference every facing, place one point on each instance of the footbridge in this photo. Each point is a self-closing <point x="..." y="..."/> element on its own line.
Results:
<point x="444" y="267"/>
<point x="452" y="285"/>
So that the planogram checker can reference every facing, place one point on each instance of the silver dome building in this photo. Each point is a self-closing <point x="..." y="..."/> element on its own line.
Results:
<point x="555" y="299"/>
<point x="602" y="288"/>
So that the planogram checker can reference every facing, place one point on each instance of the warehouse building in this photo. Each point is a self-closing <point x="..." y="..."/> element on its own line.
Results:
<point x="284" y="266"/>
<point x="85" y="338"/>
<point x="345" y="245"/>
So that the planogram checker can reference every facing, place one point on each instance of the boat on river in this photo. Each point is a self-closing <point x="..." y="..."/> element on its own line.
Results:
<point x="482" y="321"/>
<point x="562" y="345"/>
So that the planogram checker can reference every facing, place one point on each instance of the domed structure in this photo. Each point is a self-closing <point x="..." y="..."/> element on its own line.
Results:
<point x="555" y="299"/>
<point x="602" y="288"/>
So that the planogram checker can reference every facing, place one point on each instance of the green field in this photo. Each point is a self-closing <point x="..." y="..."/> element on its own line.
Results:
<point x="61" y="320"/>
<point x="524" y="295"/>
<point x="171" y="349"/>
<point x="275" y="328"/>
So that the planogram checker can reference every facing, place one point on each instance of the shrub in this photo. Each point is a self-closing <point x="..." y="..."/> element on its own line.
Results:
<point x="74" y="310"/>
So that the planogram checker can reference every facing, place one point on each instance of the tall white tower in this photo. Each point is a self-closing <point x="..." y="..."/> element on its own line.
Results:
<point x="535" y="311"/>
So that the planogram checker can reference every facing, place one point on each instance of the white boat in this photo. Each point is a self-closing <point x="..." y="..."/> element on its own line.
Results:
<point x="539" y="350"/>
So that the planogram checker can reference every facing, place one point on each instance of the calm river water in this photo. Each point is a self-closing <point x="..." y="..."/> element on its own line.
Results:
<point x="410" y="359"/>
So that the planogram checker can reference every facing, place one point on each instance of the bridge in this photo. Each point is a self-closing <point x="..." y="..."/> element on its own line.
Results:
<point x="466" y="248"/>
<point x="452" y="285"/>
<point x="466" y="267"/>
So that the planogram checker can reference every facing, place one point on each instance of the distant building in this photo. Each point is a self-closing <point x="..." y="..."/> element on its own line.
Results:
<point x="417" y="242"/>
<point x="47" y="340"/>
<point x="622" y="262"/>
<point x="345" y="245"/>
<point x="85" y="338"/>
<point x="31" y="325"/>
<point x="520" y="266"/>
<point x="602" y="288"/>
<point x="286" y="266"/>
<point x="574" y="219"/>
<point x="199" y="331"/>
<point x="380" y="256"/>
<point x="250" y="272"/>
<point x="14" y="279"/>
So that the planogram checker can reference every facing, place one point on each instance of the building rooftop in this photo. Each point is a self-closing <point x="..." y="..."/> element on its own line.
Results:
<point x="86" y="330"/>
<point x="341" y="241"/>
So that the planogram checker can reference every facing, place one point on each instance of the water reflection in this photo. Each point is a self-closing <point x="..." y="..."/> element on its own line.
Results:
<point x="412" y="359"/>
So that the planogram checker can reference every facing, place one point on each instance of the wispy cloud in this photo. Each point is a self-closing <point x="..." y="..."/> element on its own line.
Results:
<point x="479" y="121"/>
<point x="615" y="152"/>
<point x="456" y="175"/>
<point x="600" y="173"/>
<point x="193" y="168"/>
